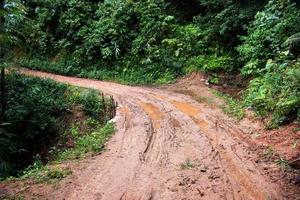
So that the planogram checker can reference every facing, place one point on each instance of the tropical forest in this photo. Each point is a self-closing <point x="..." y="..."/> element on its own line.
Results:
<point x="149" y="99"/>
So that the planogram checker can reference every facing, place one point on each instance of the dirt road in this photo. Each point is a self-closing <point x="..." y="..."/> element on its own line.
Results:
<point x="168" y="146"/>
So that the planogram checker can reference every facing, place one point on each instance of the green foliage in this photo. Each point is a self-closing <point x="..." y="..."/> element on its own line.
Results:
<point x="89" y="99"/>
<point x="14" y="197"/>
<point x="92" y="104"/>
<point x="212" y="63"/>
<point x="35" y="118"/>
<point x="188" y="164"/>
<point x="91" y="142"/>
<point x="135" y="42"/>
<point x="32" y="114"/>
<point x="61" y="67"/>
<point x="155" y="41"/>
<point x="12" y="18"/>
<point x="43" y="173"/>
<point x="233" y="107"/>
<point x="87" y="142"/>
<point x="277" y="93"/>
<point x="223" y="21"/>
<point x="283" y="164"/>
<point x="123" y="75"/>
<point x="267" y="34"/>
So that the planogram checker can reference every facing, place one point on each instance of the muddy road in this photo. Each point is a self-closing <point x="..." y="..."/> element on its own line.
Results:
<point x="168" y="146"/>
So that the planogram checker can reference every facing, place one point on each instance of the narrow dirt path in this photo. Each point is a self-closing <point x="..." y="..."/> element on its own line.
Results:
<point x="168" y="146"/>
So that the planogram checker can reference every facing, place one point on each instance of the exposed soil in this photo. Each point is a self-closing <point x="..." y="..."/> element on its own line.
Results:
<point x="172" y="143"/>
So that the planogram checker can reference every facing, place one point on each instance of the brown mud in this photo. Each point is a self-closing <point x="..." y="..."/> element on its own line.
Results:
<point x="172" y="142"/>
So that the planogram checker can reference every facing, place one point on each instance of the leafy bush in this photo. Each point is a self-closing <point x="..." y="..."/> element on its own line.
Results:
<point x="211" y="63"/>
<point x="134" y="42"/>
<point x="91" y="142"/>
<point x="155" y="41"/>
<point x="34" y="106"/>
<point x="277" y="93"/>
<point x="62" y="67"/>
<point x="35" y="114"/>
<point x="234" y="107"/>
<point x="267" y="34"/>
<point x="41" y="173"/>
<point x="89" y="99"/>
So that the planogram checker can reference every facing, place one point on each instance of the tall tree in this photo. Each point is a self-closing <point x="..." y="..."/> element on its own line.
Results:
<point x="2" y="76"/>
<point x="12" y="13"/>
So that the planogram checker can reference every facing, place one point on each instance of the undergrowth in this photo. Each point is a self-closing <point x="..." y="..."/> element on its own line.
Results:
<point x="39" y="113"/>
<point x="233" y="107"/>
<point x="14" y="197"/>
<point x="92" y="142"/>
<point x="85" y="142"/>
<point x="123" y="75"/>
<point x="187" y="164"/>
<point x="44" y="173"/>
<point x="276" y="94"/>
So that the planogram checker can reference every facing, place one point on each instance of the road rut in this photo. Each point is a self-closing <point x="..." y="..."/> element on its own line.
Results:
<point x="168" y="146"/>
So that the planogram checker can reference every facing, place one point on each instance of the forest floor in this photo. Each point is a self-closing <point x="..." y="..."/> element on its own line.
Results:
<point x="174" y="142"/>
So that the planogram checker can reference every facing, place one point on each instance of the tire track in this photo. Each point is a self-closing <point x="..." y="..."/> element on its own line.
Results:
<point x="167" y="146"/>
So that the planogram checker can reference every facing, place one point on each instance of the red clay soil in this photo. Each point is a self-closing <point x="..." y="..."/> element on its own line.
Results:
<point x="173" y="142"/>
<point x="285" y="141"/>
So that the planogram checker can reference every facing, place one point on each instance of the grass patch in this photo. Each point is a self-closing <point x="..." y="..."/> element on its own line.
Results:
<point x="233" y="107"/>
<point x="41" y="173"/>
<point x="13" y="198"/>
<point x="46" y="174"/>
<point x="92" y="142"/>
<point x="42" y="123"/>
<point x="90" y="99"/>
<point x="38" y="113"/>
<point x="269" y="152"/>
<point x="283" y="163"/>
<point x="187" y="164"/>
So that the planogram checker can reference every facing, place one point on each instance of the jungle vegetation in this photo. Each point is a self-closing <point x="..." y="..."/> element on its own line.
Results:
<point x="149" y="42"/>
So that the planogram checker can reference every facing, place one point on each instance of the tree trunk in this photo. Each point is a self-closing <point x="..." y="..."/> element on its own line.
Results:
<point x="2" y="75"/>
<point x="3" y="95"/>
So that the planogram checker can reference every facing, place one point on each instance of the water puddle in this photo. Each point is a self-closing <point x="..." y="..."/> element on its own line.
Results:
<point x="186" y="108"/>
<point x="153" y="113"/>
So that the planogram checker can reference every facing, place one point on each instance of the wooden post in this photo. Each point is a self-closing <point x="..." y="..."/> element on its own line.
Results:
<point x="111" y="107"/>
<point x="116" y="106"/>
<point x="104" y="108"/>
